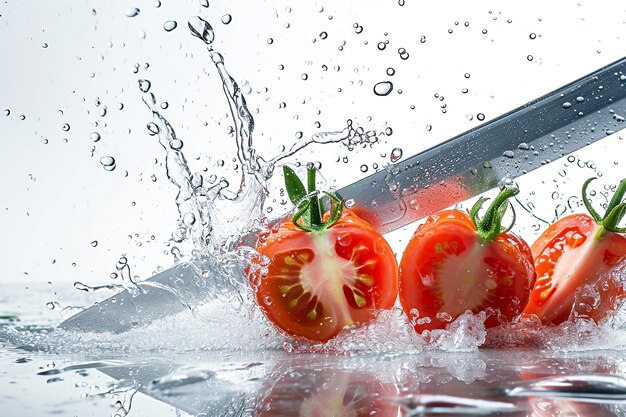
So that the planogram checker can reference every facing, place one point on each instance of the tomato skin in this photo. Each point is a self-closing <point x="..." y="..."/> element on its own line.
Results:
<point x="320" y="282"/>
<point x="446" y="269"/>
<point x="568" y="258"/>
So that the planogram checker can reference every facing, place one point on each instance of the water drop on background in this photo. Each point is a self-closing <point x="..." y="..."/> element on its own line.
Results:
<point x="383" y="88"/>
<point x="94" y="243"/>
<point x="144" y="85"/>
<point x="65" y="127"/>
<point x="204" y="3"/>
<point x="176" y="144"/>
<point x="226" y="19"/>
<point x="7" y="112"/>
<point x="395" y="155"/>
<point x="170" y="25"/>
<point x="567" y="105"/>
<point x="94" y="136"/>
<point x="108" y="163"/>
<point x="200" y="28"/>
<point x="480" y="116"/>
<point x="153" y="129"/>
<point x="132" y="12"/>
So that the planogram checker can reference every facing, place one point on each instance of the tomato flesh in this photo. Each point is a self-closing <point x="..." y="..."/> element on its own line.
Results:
<point x="447" y="270"/>
<point x="320" y="282"/>
<point x="574" y="271"/>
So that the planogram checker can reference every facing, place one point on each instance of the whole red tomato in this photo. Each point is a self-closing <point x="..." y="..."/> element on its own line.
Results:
<point x="457" y="262"/>
<point x="576" y="259"/>
<point x="323" y="275"/>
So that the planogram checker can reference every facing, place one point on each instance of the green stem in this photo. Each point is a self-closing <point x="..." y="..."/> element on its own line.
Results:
<point x="490" y="226"/>
<point x="315" y="216"/>
<point x="614" y="213"/>
<point x="308" y="216"/>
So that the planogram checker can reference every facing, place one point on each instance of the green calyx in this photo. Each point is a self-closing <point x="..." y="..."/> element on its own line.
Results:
<point x="490" y="225"/>
<point x="614" y="213"/>
<point x="308" y="217"/>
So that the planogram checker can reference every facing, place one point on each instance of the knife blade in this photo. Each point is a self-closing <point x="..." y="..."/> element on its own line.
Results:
<point x="469" y="164"/>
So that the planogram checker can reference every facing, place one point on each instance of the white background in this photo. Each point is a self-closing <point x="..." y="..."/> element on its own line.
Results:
<point x="56" y="198"/>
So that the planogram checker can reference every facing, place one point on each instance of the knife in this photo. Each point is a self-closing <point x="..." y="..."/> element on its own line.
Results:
<point x="469" y="164"/>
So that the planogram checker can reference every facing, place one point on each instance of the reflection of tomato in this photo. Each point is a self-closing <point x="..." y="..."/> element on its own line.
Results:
<point x="455" y="263"/>
<point x="328" y="276"/>
<point x="574" y="259"/>
<point x="303" y="392"/>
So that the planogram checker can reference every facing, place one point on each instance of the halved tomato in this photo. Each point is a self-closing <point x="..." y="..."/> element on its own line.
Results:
<point x="577" y="261"/>
<point x="456" y="262"/>
<point x="337" y="273"/>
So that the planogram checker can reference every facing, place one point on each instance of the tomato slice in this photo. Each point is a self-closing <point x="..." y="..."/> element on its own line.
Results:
<point x="447" y="270"/>
<point x="575" y="271"/>
<point x="319" y="282"/>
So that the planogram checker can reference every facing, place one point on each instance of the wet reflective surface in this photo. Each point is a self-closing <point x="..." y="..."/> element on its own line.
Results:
<point x="273" y="383"/>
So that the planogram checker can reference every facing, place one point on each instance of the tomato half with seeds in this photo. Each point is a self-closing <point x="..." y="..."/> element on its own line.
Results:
<point x="457" y="262"/>
<point x="324" y="275"/>
<point x="578" y="260"/>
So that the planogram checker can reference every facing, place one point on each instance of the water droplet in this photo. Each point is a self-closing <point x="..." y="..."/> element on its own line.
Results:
<point x="350" y="203"/>
<point x="141" y="35"/>
<point x="50" y="305"/>
<point x="132" y="12"/>
<point x="464" y="91"/>
<point x="94" y="243"/>
<point x="429" y="128"/>
<point x="401" y="2"/>
<point x="523" y="146"/>
<point x="344" y="239"/>
<point x="270" y="41"/>
<point x="189" y="219"/>
<point x="383" y="88"/>
<point x="403" y="54"/>
<point x="200" y="28"/>
<point x="176" y="144"/>
<point x="423" y="39"/>
<point x="305" y="76"/>
<point x="22" y="117"/>
<point x="532" y="36"/>
<point x="508" y="154"/>
<point x="467" y="75"/>
<point x="94" y="136"/>
<point x="395" y="155"/>
<point x="580" y="99"/>
<point x="382" y="45"/>
<point x="44" y="45"/>
<point x="226" y="19"/>
<point x="567" y="105"/>
<point x="7" y="112"/>
<point x="103" y="111"/>
<point x="108" y="162"/>
<point x="153" y="129"/>
<point x="144" y="85"/>
<point x="65" y="127"/>
<point x="323" y="35"/>
<point x="480" y="116"/>
<point x="363" y="168"/>
<point x="298" y="135"/>
<point x="267" y="300"/>
<point x="157" y="3"/>
<point x="204" y="3"/>
<point x="390" y="71"/>
<point x="529" y="58"/>
<point x="170" y="25"/>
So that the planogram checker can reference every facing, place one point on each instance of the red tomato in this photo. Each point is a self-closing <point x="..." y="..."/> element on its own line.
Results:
<point x="448" y="269"/>
<point x="322" y="281"/>
<point x="305" y="392"/>
<point x="570" y="261"/>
